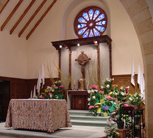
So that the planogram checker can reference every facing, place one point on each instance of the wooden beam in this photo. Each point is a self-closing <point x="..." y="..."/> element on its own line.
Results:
<point x="4" y="6"/>
<point x="32" y="17"/>
<point x="45" y="13"/>
<point x="22" y="16"/>
<point x="11" y="14"/>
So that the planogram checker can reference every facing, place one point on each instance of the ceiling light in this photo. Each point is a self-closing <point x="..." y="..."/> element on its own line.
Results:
<point x="60" y="46"/>
<point x="78" y="44"/>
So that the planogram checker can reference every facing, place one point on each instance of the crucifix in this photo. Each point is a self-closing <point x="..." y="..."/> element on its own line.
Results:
<point x="83" y="60"/>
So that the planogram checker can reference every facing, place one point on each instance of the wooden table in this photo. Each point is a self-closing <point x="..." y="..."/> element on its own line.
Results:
<point x="38" y="114"/>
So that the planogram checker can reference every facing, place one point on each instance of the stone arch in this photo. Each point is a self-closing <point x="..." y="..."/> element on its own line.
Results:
<point x="141" y="18"/>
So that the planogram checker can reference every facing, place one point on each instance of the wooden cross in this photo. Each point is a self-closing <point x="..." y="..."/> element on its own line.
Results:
<point x="82" y="60"/>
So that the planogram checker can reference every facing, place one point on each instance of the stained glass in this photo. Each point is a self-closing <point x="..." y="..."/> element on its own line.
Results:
<point x="81" y="25"/>
<point x="81" y="20"/>
<point x="96" y="32"/>
<point x="85" y="15"/>
<point x="91" y="33"/>
<point x="86" y="34"/>
<point x="96" y="14"/>
<point x="82" y="31"/>
<point x="99" y="23"/>
<point x="100" y="17"/>
<point x="101" y="29"/>
<point x="91" y="13"/>
<point x="90" y="22"/>
<point x="103" y="22"/>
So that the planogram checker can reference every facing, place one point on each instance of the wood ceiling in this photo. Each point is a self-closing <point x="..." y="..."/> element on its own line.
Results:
<point x="22" y="17"/>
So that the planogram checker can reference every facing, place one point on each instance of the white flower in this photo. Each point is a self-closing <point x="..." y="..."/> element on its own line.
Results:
<point x="48" y="87"/>
<point x="123" y="93"/>
<point x="94" y="97"/>
<point x="55" y="82"/>
<point x="56" y="97"/>
<point x="130" y="99"/>
<point x="96" y="90"/>
<point x="121" y="87"/>
<point x="88" y="99"/>
<point x="89" y="91"/>
<point x="107" y="86"/>
<point x="112" y="78"/>
<point x="52" y="90"/>
<point x="88" y="103"/>
<point x="128" y="87"/>
<point x="102" y="87"/>
<point x="50" y="95"/>
<point x="92" y="91"/>
<point x="116" y="93"/>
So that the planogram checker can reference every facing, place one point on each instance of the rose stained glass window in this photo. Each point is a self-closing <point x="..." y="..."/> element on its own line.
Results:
<point x="90" y="22"/>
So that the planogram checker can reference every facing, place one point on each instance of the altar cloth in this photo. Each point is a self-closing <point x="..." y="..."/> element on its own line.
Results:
<point x="45" y="115"/>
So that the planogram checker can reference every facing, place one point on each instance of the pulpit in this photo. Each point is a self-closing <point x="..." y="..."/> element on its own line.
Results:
<point x="77" y="99"/>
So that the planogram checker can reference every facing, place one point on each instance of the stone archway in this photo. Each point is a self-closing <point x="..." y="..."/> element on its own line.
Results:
<point x="141" y="18"/>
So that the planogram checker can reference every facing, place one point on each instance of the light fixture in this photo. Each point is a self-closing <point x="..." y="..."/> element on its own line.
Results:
<point x="78" y="44"/>
<point x="96" y="43"/>
<point x="60" y="46"/>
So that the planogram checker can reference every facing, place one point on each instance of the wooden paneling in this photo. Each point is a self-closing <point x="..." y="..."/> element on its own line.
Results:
<point x="125" y="80"/>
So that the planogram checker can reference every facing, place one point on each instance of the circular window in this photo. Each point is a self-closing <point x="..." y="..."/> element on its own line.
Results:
<point x="90" y="22"/>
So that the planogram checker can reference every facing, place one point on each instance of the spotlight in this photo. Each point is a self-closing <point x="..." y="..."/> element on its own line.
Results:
<point x="78" y="44"/>
<point x="96" y="43"/>
<point x="60" y="46"/>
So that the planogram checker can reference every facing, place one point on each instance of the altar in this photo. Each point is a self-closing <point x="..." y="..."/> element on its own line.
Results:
<point x="38" y="114"/>
<point x="77" y="99"/>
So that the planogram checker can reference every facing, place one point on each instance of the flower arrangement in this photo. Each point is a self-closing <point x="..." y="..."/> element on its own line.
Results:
<point x="110" y="130"/>
<point x="94" y="95"/>
<point x="135" y="99"/>
<point x="54" y="92"/>
<point x="107" y="85"/>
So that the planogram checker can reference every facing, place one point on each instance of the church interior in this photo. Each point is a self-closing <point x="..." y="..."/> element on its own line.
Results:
<point x="80" y="42"/>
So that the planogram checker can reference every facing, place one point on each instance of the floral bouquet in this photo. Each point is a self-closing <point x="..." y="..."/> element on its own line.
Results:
<point x="135" y="99"/>
<point x="54" y="92"/>
<point x="109" y="100"/>
<point x="107" y="85"/>
<point x="94" y="95"/>
<point x="123" y="93"/>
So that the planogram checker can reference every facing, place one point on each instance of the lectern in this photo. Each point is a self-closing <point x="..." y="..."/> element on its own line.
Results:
<point x="77" y="99"/>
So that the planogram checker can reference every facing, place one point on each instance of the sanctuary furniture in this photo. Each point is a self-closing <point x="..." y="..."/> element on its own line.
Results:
<point x="77" y="99"/>
<point x="38" y="114"/>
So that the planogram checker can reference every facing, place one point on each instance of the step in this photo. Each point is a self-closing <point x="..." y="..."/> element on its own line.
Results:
<point x="91" y="118"/>
<point x="89" y="123"/>
<point x="80" y="112"/>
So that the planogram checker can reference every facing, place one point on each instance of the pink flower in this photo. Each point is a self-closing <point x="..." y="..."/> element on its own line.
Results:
<point x="50" y="93"/>
<point x="61" y="86"/>
<point x="90" y="107"/>
<point x="42" y="97"/>
<point x="94" y="87"/>
<point x="109" y="97"/>
<point x="126" y="105"/>
<point x="97" y="106"/>
<point x="55" y="87"/>
<point x="101" y="91"/>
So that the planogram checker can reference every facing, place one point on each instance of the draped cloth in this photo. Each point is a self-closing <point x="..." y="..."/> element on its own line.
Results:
<point x="38" y="114"/>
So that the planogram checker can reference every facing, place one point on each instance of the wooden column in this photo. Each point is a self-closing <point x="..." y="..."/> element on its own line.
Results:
<point x="110" y="59"/>
<point x="59" y="74"/>
<point x="98" y="65"/>
<point x="70" y="53"/>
